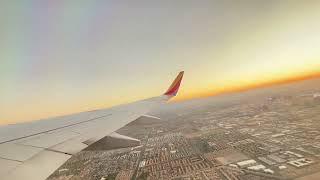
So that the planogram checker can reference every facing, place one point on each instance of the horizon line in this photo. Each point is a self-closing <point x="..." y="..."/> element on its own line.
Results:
<point x="250" y="87"/>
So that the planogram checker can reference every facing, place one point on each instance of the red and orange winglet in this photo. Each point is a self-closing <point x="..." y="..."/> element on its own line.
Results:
<point x="174" y="88"/>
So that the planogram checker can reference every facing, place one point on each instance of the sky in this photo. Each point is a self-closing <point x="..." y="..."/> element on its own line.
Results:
<point x="60" y="57"/>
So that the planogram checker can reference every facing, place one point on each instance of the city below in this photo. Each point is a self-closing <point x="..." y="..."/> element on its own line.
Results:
<point x="271" y="133"/>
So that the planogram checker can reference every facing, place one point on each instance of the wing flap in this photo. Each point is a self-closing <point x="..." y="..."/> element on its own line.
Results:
<point x="38" y="167"/>
<point x="71" y="146"/>
<point x="47" y="140"/>
<point x="7" y="165"/>
<point x="17" y="152"/>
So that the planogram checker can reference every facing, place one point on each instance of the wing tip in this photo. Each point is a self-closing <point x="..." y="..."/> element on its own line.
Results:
<point x="174" y="88"/>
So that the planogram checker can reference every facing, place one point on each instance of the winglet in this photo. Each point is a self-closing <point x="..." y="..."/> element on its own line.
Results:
<point x="174" y="88"/>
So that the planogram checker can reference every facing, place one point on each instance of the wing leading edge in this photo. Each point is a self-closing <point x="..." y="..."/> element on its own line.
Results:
<point x="34" y="150"/>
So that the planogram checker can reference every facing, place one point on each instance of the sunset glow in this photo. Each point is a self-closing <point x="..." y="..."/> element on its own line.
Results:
<point x="60" y="57"/>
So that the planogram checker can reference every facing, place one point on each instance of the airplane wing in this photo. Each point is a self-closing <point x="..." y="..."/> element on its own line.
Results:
<point x="35" y="150"/>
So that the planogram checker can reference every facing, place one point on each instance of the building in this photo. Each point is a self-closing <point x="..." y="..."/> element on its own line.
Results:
<point x="246" y="163"/>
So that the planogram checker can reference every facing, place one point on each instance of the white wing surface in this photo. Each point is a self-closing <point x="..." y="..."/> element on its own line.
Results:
<point x="35" y="150"/>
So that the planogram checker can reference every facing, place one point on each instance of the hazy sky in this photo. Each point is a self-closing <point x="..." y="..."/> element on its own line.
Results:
<point x="59" y="57"/>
